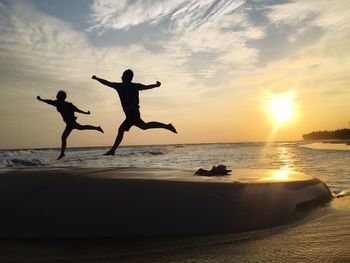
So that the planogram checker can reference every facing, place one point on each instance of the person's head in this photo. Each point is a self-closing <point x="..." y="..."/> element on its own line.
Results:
<point x="61" y="95"/>
<point x="127" y="76"/>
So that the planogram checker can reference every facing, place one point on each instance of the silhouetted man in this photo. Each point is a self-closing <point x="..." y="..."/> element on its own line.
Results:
<point x="129" y="97"/>
<point x="67" y="110"/>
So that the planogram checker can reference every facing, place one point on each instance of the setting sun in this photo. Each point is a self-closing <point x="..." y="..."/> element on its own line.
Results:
<point x="281" y="107"/>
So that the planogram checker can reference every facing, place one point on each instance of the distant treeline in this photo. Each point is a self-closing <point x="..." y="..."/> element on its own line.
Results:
<point x="336" y="134"/>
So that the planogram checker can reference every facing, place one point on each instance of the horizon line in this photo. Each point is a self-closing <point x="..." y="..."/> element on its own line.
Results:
<point x="162" y="144"/>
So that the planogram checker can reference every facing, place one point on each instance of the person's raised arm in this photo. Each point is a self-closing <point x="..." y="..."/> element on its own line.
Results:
<point x="151" y="86"/>
<point x="51" y="102"/>
<point x="103" y="81"/>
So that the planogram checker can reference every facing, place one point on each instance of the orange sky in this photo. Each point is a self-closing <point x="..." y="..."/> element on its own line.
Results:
<point x="220" y="66"/>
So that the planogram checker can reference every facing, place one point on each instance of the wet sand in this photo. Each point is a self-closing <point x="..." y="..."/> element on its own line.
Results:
<point x="323" y="235"/>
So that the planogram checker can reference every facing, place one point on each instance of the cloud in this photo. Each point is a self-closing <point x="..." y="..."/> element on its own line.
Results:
<point x="219" y="28"/>
<point x="38" y="45"/>
<point x="318" y="73"/>
<point x="331" y="16"/>
<point x="42" y="54"/>
<point x="324" y="63"/>
<point x="50" y="54"/>
<point x="207" y="61"/>
<point x="181" y="14"/>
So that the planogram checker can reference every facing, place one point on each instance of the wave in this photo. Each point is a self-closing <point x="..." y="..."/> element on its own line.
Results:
<point x="153" y="150"/>
<point x="25" y="158"/>
<point x="142" y="153"/>
<point x="24" y="163"/>
<point x="327" y="146"/>
<point x="46" y="157"/>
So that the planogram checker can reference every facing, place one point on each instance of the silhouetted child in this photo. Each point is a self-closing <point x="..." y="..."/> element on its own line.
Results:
<point x="67" y="110"/>
<point x="129" y="97"/>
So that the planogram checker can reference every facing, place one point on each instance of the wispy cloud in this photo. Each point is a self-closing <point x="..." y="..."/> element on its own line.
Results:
<point x="332" y="16"/>
<point x="181" y="14"/>
<point x="317" y="72"/>
<point x="49" y="54"/>
<point x="221" y="28"/>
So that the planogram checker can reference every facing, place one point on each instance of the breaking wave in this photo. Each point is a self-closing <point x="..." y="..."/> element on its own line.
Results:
<point x="139" y="153"/>
<point x="25" y="158"/>
<point x="75" y="156"/>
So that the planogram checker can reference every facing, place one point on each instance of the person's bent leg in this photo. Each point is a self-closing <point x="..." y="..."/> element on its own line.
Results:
<point x="64" y="137"/>
<point x="87" y="127"/>
<point x="118" y="139"/>
<point x="156" y="125"/>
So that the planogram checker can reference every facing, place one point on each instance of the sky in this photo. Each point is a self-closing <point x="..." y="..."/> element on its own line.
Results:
<point x="224" y="66"/>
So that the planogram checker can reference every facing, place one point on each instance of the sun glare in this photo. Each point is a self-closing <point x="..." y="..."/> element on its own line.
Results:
<point x="281" y="107"/>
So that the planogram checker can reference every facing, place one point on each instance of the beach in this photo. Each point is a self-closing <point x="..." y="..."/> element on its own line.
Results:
<point x="322" y="235"/>
<point x="174" y="131"/>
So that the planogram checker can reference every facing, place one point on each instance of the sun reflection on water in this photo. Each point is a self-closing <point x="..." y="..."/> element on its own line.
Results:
<point x="277" y="175"/>
<point x="281" y="175"/>
<point x="282" y="158"/>
<point x="285" y="158"/>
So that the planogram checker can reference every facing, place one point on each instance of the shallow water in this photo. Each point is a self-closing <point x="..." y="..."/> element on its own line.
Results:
<point x="330" y="165"/>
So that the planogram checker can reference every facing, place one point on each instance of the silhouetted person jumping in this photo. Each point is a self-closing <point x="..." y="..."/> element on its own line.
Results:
<point x="67" y="110"/>
<point x="129" y="97"/>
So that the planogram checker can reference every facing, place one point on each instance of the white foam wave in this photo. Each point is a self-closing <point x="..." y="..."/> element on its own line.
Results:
<point x="328" y="146"/>
<point x="23" y="158"/>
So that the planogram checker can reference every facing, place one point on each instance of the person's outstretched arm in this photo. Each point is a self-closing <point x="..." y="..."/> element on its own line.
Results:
<point x="151" y="86"/>
<point x="81" y="111"/>
<point x="103" y="81"/>
<point x="51" y="102"/>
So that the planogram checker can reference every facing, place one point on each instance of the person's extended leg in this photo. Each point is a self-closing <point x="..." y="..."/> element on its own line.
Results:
<point x="156" y="125"/>
<point x="118" y="139"/>
<point x="64" y="137"/>
<point x="87" y="127"/>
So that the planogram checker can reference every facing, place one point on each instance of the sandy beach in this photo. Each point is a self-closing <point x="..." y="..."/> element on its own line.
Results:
<point x="121" y="122"/>
<point x="124" y="202"/>
<point x="323" y="236"/>
<point x="44" y="198"/>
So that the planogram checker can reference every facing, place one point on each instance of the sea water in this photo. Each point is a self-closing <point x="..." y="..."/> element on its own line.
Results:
<point x="321" y="236"/>
<point x="330" y="163"/>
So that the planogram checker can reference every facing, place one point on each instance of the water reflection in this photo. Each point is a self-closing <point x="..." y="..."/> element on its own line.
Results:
<point x="279" y="156"/>
<point x="281" y="175"/>
<point x="285" y="158"/>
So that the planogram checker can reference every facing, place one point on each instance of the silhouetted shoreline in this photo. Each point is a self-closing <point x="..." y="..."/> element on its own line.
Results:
<point x="339" y="134"/>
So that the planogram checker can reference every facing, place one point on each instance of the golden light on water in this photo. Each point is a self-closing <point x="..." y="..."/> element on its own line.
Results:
<point x="277" y="175"/>
<point x="286" y="160"/>
<point x="281" y="175"/>
<point x="281" y="107"/>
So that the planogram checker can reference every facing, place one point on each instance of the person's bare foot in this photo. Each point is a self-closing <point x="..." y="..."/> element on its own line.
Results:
<point x="100" y="129"/>
<point x="172" y="128"/>
<point x="61" y="156"/>
<point x="110" y="152"/>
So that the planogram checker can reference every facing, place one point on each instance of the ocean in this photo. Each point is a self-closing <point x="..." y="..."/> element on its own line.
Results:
<point x="329" y="162"/>
<point x="321" y="236"/>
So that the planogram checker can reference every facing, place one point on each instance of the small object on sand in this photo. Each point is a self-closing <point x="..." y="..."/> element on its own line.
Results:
<point x="215" y="171"/>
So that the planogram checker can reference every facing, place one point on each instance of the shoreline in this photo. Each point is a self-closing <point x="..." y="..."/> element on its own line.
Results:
<point x="153" y="145"/>
<point x="335" y="141"/>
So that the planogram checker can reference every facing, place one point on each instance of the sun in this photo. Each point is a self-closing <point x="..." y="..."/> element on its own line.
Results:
<point x="281" y="107"/>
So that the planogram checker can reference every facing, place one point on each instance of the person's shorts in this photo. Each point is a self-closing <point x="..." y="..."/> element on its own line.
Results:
<point x="133" y="117"/>
<point x="71" y="123"/>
